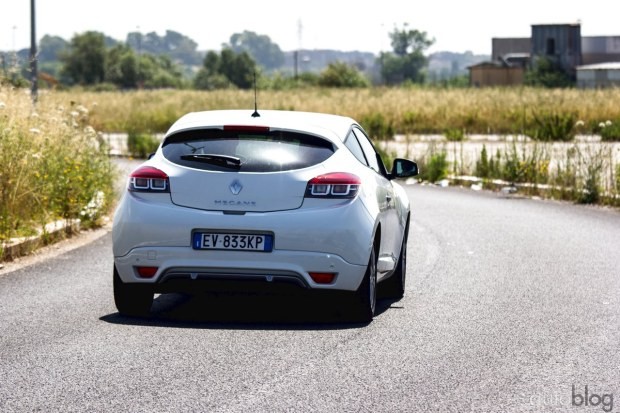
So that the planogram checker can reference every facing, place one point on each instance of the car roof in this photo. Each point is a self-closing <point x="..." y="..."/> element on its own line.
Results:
<point x="313" y="122"/>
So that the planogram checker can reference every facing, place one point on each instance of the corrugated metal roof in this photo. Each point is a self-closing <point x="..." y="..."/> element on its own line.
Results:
<point x="557" y="24"/>
<point x="601" y="66"/>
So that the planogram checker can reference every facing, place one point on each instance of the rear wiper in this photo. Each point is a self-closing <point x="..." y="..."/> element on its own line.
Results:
<point x="194" y="149"/>
<point x="219" y="160"/>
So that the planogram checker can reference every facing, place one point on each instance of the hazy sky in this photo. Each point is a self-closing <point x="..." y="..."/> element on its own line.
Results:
<point x="456" y="25"/>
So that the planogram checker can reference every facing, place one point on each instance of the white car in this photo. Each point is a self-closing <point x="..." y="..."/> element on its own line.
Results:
<point x="242" y="199"/>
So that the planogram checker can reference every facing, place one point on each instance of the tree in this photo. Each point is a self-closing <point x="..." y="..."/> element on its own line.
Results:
<point x="546" y="73"/>
<point x="225" y="70"/>
<point x="51" y="47"/>
<point x="173" y="44"/>
<point x="126" y="70"/>
<point x="340" y="74"/>
<point x="239" y="68"/>
<point x="49" y="52"/>
<point x="406" y="42"/>
<point x="407" y="61"/>
<point x="159" y="72"/>
<point x="88" y="61"/>
<point x="122" y="67"/>
<point x="259" y="47"/>
<point x="84" y="60"/>
<point x="209" y="76"/>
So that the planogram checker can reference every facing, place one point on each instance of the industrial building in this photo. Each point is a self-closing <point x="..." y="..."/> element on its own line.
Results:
<point x="579" y="57"/>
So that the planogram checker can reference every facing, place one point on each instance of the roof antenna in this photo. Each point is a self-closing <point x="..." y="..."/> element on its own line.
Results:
<point x="255" y="114"/>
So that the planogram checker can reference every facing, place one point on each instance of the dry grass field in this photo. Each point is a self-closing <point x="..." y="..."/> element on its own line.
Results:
<point x="402" y="110"/>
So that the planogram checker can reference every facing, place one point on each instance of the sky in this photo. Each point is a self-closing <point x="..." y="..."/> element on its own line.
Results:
<point x="347" y="25"/>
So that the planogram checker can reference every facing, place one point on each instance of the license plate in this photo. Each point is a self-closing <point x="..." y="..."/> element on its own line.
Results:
<point x="232" y="241"/>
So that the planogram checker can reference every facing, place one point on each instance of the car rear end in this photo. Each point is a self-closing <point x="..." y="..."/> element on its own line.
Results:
<point x="252" y="202"/>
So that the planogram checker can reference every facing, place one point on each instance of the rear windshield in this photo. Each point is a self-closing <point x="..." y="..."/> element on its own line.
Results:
<point x="244" y="151"/>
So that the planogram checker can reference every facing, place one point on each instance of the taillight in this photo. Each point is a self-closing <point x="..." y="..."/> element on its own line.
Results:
<point x="333" y="185"/>
<point x="149" y="179"/>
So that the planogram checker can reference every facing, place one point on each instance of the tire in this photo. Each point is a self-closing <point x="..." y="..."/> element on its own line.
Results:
<point x="134" y="300"/>
<point x="394" y="287"/>
<point x="365" y="298"/>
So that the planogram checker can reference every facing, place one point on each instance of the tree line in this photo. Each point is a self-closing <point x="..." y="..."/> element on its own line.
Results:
<point x="94" y="60"/>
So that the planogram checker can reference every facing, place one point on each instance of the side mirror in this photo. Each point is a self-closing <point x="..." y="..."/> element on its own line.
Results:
<point x="403" y="168"/>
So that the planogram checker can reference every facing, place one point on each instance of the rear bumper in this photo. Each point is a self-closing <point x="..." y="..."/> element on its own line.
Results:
<point x="183" y="266"/>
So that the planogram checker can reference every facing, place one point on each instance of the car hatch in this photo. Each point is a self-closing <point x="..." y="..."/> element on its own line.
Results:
<point x="241" y="168"/>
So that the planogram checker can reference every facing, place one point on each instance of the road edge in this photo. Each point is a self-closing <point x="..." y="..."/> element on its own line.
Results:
<point x="77" y="240"/>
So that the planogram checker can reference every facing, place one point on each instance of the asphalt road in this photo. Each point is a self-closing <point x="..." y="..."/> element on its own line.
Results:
<point x="510" y="303"/>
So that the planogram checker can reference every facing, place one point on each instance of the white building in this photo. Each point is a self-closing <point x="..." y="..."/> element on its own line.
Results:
<point x="600" y="75"/>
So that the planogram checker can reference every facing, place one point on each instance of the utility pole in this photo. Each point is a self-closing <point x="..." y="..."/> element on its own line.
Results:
<point x="33" y="54"/>
<point x="138" y="77"/>
<point x="298" y="52"/>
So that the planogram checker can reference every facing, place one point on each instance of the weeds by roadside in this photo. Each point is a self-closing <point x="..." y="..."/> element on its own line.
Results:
<point x="580" y="172"/>
<point x="54" y="166"/>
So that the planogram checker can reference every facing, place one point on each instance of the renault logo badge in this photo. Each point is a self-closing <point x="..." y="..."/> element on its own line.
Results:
<point x="235" y="187"/>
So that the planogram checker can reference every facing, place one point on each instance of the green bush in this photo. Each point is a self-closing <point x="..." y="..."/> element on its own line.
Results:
<point x="550" y="126"/>
<point x="526" y="166"/>
<point x="141" y="145"/>
<point x="455" y="134"/>
<point x="436" y="168"/>
<point x="489" y="167"/>
<point x="591" y="192"/>
<point x="610" y="131"/>
<point x="483" y="169"/>
<point x="340" y="74"/>
<point x="377" y="126"/>
<point x="547" y="73"/>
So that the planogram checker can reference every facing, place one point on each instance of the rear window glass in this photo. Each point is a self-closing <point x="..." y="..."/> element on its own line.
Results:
<point x="245" y="151"/>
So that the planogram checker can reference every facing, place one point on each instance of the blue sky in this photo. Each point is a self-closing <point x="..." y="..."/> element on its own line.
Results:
<point x="455" y="25"/>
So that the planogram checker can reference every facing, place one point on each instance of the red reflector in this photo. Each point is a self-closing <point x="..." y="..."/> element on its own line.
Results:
<point x="322" y="277"/>
<point x="146" y="272"/>
<point x="246" y="128"/>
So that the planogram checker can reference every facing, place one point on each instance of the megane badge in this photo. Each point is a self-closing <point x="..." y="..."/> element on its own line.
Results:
<point x="235" y="187"/>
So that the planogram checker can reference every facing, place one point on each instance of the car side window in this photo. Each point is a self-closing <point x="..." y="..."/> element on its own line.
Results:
<point x="354" y="146"/>
<point x="374" y="160"/>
